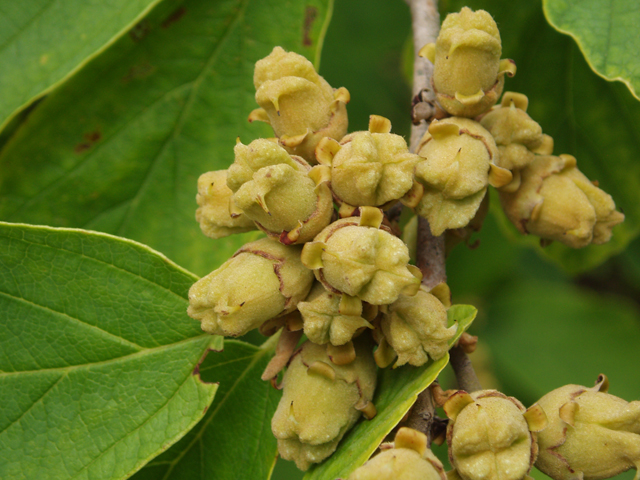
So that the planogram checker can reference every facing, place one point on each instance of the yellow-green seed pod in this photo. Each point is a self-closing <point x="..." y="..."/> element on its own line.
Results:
<point x="370" y="168"/>
<point x="358" y="257"/>
<point x="410" y="459"/>
<point x="459" y="162"/>
<point x="320" y="402"/>
<point x="262" y="280"/>
<point x="299" y="104"/>
<point x="275" y="190"/>
<point x="517" y="135"/>
<point x="329" y="319"/>
<point x="416" y="328"/>
<point x="591" y="435"/>
<point x="468" y="75"/>
<point x="213" y="213"/>
<point x="555" y="201"/>
<point x="491" y="436"/>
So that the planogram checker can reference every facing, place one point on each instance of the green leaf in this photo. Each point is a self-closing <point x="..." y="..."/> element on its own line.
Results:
<point x="606" y="34"/>
<point x="596" y="121"/>
<point x="42" y="43"/>
<point x="545" y="335"/>
<point x="119" y="148"/>
<point x="234" y="439"/>
<point x="97" y="355"/>
<point x="396" y="392"/>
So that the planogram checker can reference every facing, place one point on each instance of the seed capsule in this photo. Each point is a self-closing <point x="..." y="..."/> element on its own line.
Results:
<point x="468" y="75"/>
<point x="490" y="436"/>
<point x="358" y="257"/>
<point x="459" y="163"/>
<point x="591" y="434"/>
<point x="262" y="280"/>
<point x="416" y="328"/>
<point x="409" y="459"/>
<point x="555" y="201"/>
<point x="329" y="319"/>
<point x="213" y="214"/>
<point x="371" y="168"/>
<point x="275" y="190"/>
<point x="298" y="103"/>
<point x="320" y="402"/>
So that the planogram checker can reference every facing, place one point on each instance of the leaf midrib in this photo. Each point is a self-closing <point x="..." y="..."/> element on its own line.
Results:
<point x="70" y="368"/>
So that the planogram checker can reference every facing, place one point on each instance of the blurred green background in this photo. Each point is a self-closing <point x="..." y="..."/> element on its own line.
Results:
<point x="539" y="326"/>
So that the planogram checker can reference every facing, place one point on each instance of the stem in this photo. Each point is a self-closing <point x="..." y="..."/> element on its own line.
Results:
<point x="465" y="374"/>
<point x="426" y="25"/>
<point x="430" y="253"/>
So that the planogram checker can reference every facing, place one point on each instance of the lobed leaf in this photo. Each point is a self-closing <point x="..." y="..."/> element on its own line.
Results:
<point x="234" y="438"/>
<point x="44" y="42"/>
<point x="119" y="148"/>
<point x="97" y="355"/>
<point x="606" y="34"/>
<point x="396" y="392"/>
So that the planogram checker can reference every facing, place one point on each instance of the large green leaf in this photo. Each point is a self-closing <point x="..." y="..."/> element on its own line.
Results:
<point x="596" y="121"/>
<point x="606" y="32"/>
<point x="119" y="147"/>
<point x="396" y="392"/>
<point x="43" y="42"/>
<point x="234" y="439"/>
<point x="97" y="355"/>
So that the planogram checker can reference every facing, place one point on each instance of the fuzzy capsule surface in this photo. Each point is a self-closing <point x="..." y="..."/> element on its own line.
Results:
<point x="457" y="165"/>
<point x="262" y="280"/>
<point x="592" y="434"/>
<point x="213" y="213"/>
<point x="489" y="438"/>
<point x="372" y="169"/>
<point x="324" y="323"/>
<point x="555" y="201"/>
<point x="273" y="189"/>
<point x="416" y="328"/>
<point x="468" y="75"/>
<point x="361" y="261"/>
<point x="316" y="409"/>
<point x="299" y="104"/>
<point x="517" y="135"/>
<point x="400" y="464"/>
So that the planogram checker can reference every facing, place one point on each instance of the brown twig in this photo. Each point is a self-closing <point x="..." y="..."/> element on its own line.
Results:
<point x="430" y="255"/>
<point x="425" y="23"/>
<point x="465" y="374"/>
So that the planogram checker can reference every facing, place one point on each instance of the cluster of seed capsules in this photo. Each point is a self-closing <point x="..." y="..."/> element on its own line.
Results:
<point x="332" y="265"/>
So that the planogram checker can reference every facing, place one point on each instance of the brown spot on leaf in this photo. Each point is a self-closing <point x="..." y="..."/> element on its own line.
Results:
<point x="90" y="139"/>
<point x="142" y="70"/>
<point x="310" y="15"/>
<point x="174" y="17"/>
<point x="139" y="31"/>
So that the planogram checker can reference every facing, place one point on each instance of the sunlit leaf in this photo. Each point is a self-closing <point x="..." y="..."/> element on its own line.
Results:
<point x="97" y="355"/>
